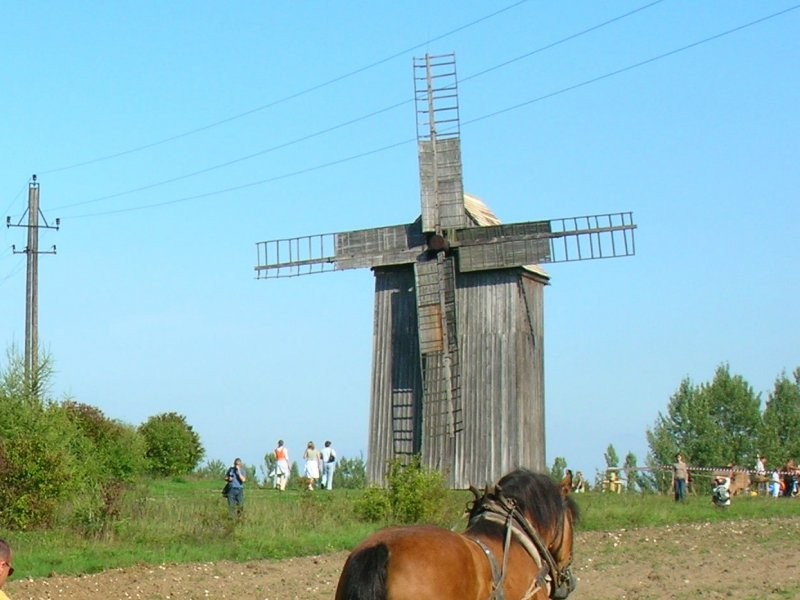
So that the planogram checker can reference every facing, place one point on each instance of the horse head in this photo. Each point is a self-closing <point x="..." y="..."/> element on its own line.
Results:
<point x="551" y="513"/>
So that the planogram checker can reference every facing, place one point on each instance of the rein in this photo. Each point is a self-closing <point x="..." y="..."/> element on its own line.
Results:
<point x="501" y="510"/>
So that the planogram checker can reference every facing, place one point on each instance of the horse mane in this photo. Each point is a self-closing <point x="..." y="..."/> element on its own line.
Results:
<point x="535" y="495"/>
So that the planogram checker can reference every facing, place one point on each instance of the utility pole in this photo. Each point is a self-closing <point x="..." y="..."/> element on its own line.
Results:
<point x="32" y="280"/>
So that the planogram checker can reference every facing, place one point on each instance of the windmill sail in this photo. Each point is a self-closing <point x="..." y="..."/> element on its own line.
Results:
<point x="559" y="240"/>
<point x="439" y="145"/>
<point x="363" y="248"/>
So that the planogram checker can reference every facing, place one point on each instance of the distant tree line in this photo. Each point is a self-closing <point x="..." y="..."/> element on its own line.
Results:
<point x="714" y="424"/>
<point x="66" y="462"/>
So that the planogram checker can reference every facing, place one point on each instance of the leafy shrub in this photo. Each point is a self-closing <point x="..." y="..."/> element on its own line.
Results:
<point x="373" y="505"/>
<point x="416" y="494"/>
<point x="41" y="462"/>
<point x="173" y="447"/>
<point x="119" y="450"/>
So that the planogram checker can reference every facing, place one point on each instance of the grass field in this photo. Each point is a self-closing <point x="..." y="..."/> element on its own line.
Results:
<point x="179" y="521"/>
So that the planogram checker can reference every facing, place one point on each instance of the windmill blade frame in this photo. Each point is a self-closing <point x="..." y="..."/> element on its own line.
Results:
<point x="609" y="235"/>
<point x="320" y="253"/>
<point x="439" y="143"/>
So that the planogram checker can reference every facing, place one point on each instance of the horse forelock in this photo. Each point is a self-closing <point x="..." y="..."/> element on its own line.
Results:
<point x="548" y="515"/>
<point x="536" y="496"/>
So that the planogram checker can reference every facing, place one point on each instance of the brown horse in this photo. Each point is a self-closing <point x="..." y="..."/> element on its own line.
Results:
<point x="517" y="546"/>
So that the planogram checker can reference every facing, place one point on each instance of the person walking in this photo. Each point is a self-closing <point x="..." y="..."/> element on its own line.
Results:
<point x="281" y="466"/>
<point x="579" y="485"/>
<point x="311" y="458"/>
<point x="680" y="474"/>
<point x="328" y="465"/>
<point x="6" y="570"/>
<point x="236" y="478"/>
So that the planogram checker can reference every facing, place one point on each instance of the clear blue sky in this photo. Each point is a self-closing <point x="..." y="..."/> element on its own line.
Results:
<point x="170" y="137"/>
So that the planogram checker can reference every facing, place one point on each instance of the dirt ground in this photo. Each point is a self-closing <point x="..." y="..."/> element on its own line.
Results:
<point x="731" y="560"/>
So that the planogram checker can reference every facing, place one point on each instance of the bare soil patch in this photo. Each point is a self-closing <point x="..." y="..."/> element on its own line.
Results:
<point x="732" y="560"/>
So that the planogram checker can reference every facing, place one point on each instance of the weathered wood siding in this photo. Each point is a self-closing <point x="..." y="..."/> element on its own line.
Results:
<point x="501" y="343"/>
<point x="500" y="335"/>
<point x="394" y="427"/>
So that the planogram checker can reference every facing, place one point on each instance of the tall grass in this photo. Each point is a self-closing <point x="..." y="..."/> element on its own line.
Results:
<point x="176" y="521"/>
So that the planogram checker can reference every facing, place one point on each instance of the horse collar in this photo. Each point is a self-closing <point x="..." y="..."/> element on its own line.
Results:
<point x="504" y="511"/>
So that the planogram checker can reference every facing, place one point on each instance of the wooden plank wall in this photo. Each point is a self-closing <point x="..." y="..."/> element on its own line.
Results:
<point x="500" y="334"/>
<point x="395" y="407"/>
<point x="503" y="383"/>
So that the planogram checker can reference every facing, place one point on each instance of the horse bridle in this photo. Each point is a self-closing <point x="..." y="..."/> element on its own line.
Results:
<point x="501" y="510"/>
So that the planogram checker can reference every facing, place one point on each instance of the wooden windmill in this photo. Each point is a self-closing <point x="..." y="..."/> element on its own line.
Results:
<point x="457" y="373"/>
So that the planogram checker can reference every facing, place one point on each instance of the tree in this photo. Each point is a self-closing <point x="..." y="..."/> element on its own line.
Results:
<point x="735" y="411"/>
<point x="611" y="457"/>
<point x="19" y="383"/>
<point x="350" y="473"/>
<point x="558" y="468"/>
<point x="684" y="428"/>
<point x="631" y="472"/>
<point x="714" y="424"/>
<point x="779" y="436"/>
<point x="268" y="469"/>
<point x="173" y="447"/>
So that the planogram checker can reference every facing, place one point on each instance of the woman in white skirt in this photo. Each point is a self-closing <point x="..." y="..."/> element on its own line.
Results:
<point x="311" y="458"/>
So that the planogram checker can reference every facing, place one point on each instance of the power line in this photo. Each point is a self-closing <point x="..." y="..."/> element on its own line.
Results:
<point x="631" y="67"/>
<point x="562" y="41"/>
<point x="355" y="120"/>
<point x="281" y="100"/>
<point x="16" y="269"/>
<point x="241" y="158"/>
<point x="15" y="198"/>
<point x="252" y="183"/>
<point x="466" y="123"/>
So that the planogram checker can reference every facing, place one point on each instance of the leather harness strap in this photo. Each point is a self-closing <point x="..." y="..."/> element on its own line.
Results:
<point x="497" y="577"/>
<point x="503" y="511"/>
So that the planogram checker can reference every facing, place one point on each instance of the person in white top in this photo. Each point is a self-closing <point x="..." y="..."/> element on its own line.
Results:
<point x="328" y="465"/>
<point x="720" y="494"/>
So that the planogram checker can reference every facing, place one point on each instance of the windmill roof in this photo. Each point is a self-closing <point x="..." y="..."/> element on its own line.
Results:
<point x="483" y="216"/>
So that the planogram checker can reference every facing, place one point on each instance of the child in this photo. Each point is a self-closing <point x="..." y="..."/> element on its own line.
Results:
<point x="720" y="494"/>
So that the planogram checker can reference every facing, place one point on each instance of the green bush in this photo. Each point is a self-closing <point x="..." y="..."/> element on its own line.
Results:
<point x="42" y="462"/>
<point x="173" y="447"/>
<point x="119" y="450"/>
<point x="373" y="505"/>
<point x="414" y="495"/>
